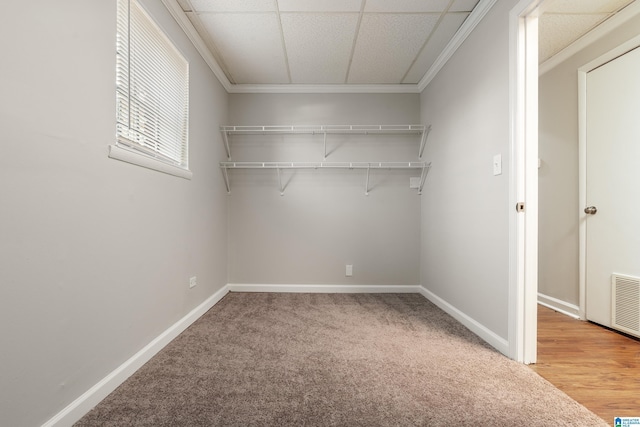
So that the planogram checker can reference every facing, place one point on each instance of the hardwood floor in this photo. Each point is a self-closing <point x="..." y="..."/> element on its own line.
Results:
<point x="595" y="366"/>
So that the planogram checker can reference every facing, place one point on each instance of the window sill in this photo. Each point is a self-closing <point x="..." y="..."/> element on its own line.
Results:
<point x="135" y="158"/>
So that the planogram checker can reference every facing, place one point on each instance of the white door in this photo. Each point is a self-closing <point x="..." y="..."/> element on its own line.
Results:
<point x="613" y="180"/>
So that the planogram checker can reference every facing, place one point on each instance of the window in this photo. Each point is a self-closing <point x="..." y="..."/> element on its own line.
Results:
<point x="152" y="94"/>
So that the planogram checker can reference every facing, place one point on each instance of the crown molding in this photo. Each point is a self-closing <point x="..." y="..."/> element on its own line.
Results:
<point x="183" y="20"/>
<point x="469" y="24"/>
<point x="460" y="36"/>
<point x="610" y="24"/>
<point x="324" y="88"/>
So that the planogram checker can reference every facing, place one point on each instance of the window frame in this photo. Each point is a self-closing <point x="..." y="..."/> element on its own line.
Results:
<point x="152" y="119"/>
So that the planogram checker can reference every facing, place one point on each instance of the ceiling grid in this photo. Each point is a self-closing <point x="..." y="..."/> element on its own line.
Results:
<point x="263" y="43"/>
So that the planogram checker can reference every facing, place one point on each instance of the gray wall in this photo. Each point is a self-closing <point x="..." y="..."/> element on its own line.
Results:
<point x="95" y="254"/>
<point x="465" y="223"/>
<point x="558" y="273"/>
<point x="324" y="220"/>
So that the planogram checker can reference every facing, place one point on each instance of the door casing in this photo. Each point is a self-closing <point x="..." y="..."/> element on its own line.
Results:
<point x="582" y="159"/>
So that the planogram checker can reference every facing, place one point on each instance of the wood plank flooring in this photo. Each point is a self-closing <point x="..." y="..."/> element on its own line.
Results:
<point x="595" y="366"/>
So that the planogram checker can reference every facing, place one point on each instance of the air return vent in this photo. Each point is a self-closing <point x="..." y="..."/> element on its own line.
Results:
<point x="625" y="304"/>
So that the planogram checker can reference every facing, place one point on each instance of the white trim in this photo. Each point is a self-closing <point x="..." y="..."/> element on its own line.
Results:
<point x="489" y="336"/>
<point x="135" y="158"/>
<point x="600" y="31"/>
<point x="496" y="341"/>
<point x="324" y="289"/>
<point x="523" y="181"/>
<point x="324" y="88"/>
<point x="183" y="20"/>
<point x="582" y="159"/>
<point x="456" y="41"/>
<point x="558" y="305"/>
<point x="582" y="192"/>
<point x="83" y="404"/>
<point x="463" y="32"/>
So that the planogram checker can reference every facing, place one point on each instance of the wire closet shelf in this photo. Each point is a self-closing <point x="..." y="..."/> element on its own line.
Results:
<point x="325" y="130"/>
<point x="422" y="166"/>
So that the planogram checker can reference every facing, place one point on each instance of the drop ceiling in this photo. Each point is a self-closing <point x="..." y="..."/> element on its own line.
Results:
<point x="263" y="43"/>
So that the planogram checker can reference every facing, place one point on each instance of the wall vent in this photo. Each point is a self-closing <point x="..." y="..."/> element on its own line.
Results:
<point x="625" y="304"/>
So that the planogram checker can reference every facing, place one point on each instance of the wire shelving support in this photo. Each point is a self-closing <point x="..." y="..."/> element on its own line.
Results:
<point x="422" y="166"/>
<point x="422" y="130"/>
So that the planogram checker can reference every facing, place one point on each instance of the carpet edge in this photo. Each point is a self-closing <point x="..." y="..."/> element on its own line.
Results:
<point x="89" y="399"/>
<point x="493" y="339"/>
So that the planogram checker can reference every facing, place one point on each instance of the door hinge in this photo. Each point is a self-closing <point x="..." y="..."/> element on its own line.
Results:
<point x="520" y="207"/>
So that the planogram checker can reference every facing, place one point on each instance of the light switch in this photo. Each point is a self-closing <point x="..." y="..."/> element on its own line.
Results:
<point x="497" y="164"/>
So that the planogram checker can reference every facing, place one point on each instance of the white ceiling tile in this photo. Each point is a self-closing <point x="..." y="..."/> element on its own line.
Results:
<point x="318" y="45"/>
<point x="584" y="6"/>
<point x="387" y="45"/>
<point x="234" y="5"/>
<point x="438" y="41"/>
<point x="463" y="5"/>
<point x="415" y="6"/>
<point x="319" y="5"/>
<point x="558" y="31"/>
<point x="245" y="38"/>
<point x="250" y="44"/>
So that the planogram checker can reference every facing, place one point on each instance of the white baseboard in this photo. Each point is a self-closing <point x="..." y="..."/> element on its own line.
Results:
<point x="325" y="289"/>
<point x="560" y="306"/>
<point x="499" y="343"/>
<point x="83" y="404"/>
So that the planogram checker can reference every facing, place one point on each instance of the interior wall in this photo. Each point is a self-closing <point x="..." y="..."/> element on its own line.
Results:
<point x="465" y="212"/>
<point x="324" y="220"/>
<point x="559" y="211"/>
<point x="95" y="254"/>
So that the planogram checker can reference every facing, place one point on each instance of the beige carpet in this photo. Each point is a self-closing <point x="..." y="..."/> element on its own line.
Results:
<point x="333" y="360"/>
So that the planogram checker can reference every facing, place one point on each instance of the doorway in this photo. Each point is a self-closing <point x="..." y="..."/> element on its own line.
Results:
<point x="608" y="93"/>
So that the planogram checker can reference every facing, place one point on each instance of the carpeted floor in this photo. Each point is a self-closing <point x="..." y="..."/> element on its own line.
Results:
<point x="333" y="360"/>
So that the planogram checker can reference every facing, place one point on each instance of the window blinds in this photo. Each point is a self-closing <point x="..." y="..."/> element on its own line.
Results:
<point x="152" y="88"/>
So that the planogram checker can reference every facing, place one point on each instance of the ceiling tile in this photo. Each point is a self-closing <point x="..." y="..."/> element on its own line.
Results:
<point x="387" y="45"/>
<point x="250" y="45"/>
<point x="318" y="45"/>
<point x="438" y="41"/>
<point x="463" y="5"/>
<point x="558" y="31"/>
<point x="415" y="6"/>
<point x="234" y="5"/>
<point x="584" y="6"/>
<point x="319" y="5"/>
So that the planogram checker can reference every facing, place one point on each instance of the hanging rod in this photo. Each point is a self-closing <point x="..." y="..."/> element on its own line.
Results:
<point x="424" y="167"/>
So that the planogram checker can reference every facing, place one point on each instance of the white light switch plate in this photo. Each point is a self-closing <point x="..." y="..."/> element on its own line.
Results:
<point x="497" y="164"/>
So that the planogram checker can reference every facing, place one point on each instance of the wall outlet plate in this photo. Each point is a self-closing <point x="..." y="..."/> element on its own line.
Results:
<point x="349" y="270"/>
<point x="497" y="164"/>
<point x="193" y="282"/>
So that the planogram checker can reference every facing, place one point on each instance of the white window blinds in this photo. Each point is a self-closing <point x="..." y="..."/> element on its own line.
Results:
<point x="152" y="88"/>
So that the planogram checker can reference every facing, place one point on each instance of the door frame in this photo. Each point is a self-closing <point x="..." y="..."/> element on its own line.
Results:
<point x="523" y="180"/>
<point x="582" y="159"/>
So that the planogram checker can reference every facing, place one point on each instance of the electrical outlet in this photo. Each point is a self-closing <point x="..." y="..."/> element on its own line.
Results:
<point x="349" y="270"/>
<point x="192" y="282"/>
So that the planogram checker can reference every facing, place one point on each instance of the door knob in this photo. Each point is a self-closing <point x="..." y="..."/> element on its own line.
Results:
<point x="591" y="210"/>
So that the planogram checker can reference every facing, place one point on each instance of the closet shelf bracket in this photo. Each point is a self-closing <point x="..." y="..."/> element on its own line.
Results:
<point x="279" y="166"/>
<point x="423" y="140"/>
